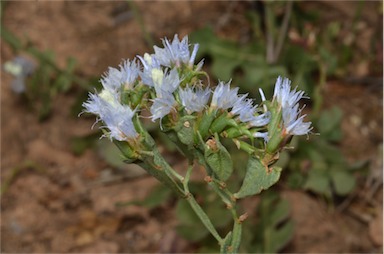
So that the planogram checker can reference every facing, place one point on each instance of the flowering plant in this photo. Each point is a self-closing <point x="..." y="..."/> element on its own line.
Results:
<point x="197" y="118"/>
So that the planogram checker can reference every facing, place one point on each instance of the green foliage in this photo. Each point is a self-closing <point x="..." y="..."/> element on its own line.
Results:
<point x="190" y="225"/>
<point x="273" y="229"/>
<point x="228" y="57"/>
<point x="257" y="178"/>
<point x="219" y="159"/>
<point x="319" y="166"/>
<point x="158" y="196"/>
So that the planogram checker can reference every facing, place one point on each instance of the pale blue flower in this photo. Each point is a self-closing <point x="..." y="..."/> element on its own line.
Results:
<point x="263" y="135"/>
<point x="288" y="100"/>
<point x="20" y="67"/>
<point x="261" y="120"/>
<point x="176" y="52"/>
<point x="113" y="79"/>
<point x="284" y="95"/>
<point x="167" y="81"/>
<point x="162" y="106"/>
<point x="150" y="64"/>
<point x="117" y="117"/>
<point x="224" y="97"/>
<point x="129" y="73"/>
<point x="194" y="101"/>
<point x="244" y="108"/>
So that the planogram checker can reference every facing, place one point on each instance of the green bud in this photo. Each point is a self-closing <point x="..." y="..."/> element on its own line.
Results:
<point x="129" y="154"/>
<point x="222" y="122"/>
<point x="275" y="129"/>
<point x="185" y="131"/>
<point x="205" y="123"/>
<point x="244" y="146"/>
<point x="236" y="132"/>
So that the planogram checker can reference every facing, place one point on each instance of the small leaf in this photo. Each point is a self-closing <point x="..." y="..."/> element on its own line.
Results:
<point x="185" y="131"/>
<point x="343" y="181"/>
<point x="281" y="236"/>
<point x="257" y="178"/>
<point x="218" y="158"/>
<point x="318" y="182"/>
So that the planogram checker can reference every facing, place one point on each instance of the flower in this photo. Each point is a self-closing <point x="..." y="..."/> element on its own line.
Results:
<point x="194" y="101"/>
<point x="162" y="106"/>
<point x="129" y="73"/>
<point x="263" y="135"/>
<point x="113" y="79"/>
<point x="224" y="97"/>
<point x="165" y="81"/>
<point x="117" y="117"/>
<point x="20" y="67"/>
<point x="244" y="108"/>
<point x="176" y="52"/>
<point x="261" y="120"/>
<point x="288" y="100"/>
<point x="150" y="63"/>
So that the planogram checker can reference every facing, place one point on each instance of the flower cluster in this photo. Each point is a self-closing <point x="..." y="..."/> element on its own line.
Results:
<point x="167" y="84"/>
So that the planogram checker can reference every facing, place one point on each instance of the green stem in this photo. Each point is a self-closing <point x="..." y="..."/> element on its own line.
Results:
<point x="147" y="37"/>
<point x="198" y="210"/>
<point x="226" y="196"/>
<point x="237" y="230"/>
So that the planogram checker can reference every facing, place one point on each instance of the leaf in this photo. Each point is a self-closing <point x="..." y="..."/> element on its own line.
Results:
<point x="193" y="233"/>
<point x="329" y="124"/>
<point x="257" y="178"/>
<point x="218" y="158"/>
<point x="274" y="228"/>
<point x="318" y="182"/>
<point x="343" y="181"/>
<point x="185" y="131"/>
<point x="281" y="237"/>
<point x="157" y="196"/>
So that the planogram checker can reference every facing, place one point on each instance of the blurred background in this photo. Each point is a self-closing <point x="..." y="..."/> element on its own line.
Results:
<point x="65" y="190"/>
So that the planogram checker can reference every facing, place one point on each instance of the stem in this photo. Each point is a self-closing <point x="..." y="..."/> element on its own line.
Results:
<point x="147" y="37"/>
<point x="283" y="30"/>
<point x="198" y="210"/>
<point x="237" y="230"/>
<point x="226" y="196"/>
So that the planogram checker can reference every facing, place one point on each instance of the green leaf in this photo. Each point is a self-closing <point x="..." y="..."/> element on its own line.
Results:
<point x="281" y="237"/>
<point x="157" y="196"/>
<point x="274" y="228"/>
<point x="194" y="233"/>
<point x="257" y="178"/>
<point x="318" y="182"/>
<point x="185" y="131"/>
<point x="343" y="181"/>
<point x="329" y="124"/>
<point x="218" y="158"/>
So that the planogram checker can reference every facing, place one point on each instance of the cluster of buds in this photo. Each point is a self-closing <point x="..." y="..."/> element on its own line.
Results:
<point x="170" y="87"/>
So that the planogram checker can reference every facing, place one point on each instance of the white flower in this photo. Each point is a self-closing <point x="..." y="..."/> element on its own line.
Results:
<point x="176" y="52"/>
<point x="194" y="101"/>
<point x="224" y="97"/>
<point x="263" y="135"/>
<point x="261" y="120"/>
<point x="288" y="100"/>
<point x="117" y="117"/>
<point x="150" y="63"/>
<point x="113" y="79"/>
<point x="162" y="106"/>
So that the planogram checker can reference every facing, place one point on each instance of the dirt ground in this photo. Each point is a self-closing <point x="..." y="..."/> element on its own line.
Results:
<point x="60" y="202"/>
